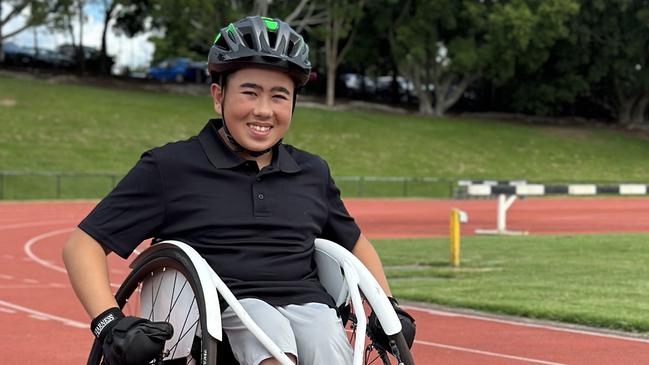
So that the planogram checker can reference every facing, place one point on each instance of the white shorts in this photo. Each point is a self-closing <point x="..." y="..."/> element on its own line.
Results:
<point x="311" y="332"/>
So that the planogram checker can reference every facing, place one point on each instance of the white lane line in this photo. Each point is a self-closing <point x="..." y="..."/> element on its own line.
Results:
<point x="39" y="317"/>
<point x="28" y="249"/>
<point x="31" y="256"/>
<point x="30" y="281"/>
<point x="487" y="353"/>
<point x="6" y="277"/>
<point x="6" y="310"/>
<point x="524" y="324"/>
<point x="42" y="315"/>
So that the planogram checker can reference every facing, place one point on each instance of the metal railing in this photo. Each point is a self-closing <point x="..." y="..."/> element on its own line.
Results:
<point x="49" y="184"/>
<point x="402" y="186"/>
<point x="71" y="185"/>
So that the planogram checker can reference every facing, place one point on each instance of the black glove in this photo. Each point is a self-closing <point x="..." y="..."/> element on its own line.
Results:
<point x="129" y="340"/>
<point x="408" y="327"/>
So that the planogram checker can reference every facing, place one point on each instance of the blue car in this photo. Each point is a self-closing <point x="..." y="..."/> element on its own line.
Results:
<point x="178" y="70"/>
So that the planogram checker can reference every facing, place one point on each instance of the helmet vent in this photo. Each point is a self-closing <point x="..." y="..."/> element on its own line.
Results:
<point x="247" y="39"/>
<point x="289" y="51"/>
<point x="221" y="43"/>
<point x="272" y="39"/>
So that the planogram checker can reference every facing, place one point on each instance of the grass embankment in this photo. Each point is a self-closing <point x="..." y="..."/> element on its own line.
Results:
<point x="597" y="280"/>
<point x="55" y="127"/>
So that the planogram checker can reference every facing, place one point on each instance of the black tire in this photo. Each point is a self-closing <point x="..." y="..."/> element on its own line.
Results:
<point x="374" y="353"/>
<point x="154" y="259"/>
<point x="402" y="354"/>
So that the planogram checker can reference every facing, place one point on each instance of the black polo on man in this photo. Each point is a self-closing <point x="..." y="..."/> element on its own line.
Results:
<point x="255" y="228"/>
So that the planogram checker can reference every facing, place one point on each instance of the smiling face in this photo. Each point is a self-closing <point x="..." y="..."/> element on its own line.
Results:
<point x="257" y="106"/>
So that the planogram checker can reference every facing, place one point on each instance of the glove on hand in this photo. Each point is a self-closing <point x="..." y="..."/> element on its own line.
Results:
<point x="408" y="327"/>
<point x="129" y="340"/>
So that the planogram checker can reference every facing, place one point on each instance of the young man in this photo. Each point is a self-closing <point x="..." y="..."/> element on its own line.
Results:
<point x="251" y="205"/>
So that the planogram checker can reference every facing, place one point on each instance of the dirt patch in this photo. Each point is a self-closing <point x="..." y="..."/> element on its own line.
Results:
<point x="7" y="102"/>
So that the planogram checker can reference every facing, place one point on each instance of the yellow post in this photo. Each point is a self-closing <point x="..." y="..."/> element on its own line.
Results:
<point x="454" y="244"/>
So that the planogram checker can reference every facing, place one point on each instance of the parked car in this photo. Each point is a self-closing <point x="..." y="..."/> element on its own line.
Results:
<point x="178" y="70"/>
<point x="357" y="85"/>
<point x="17" y="56"/>
<point x="47" y="58"/>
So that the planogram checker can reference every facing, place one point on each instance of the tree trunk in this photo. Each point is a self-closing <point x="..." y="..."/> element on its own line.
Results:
<point x="81" y="54"/>
<point x="443" y="84"/>
<point x="103" y="60"/>
<point x="625" y="107"/>
<point x="331" y="53"/>
<point x="2" y="52"/>
<point x="639" y="111"/>
<point x="331" y="81"/>
<point x="441" y="90"/>
<point x="72" y="37"/>
<point x="425" y="102"/>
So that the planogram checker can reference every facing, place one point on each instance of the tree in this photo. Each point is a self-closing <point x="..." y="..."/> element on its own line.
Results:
<point x="37" y="14"/>
<point x="109" y="7"/>
<point x="341" y="20"/>
<point x="188" y="28"/>
<point x="445" y="45"/>
<point x="603" y="61"/>
<point x="620" y="48"/>
<point x="66" y="14"/>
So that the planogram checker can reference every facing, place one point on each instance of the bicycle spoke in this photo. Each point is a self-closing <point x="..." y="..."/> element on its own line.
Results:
<point x="155" y="299"/>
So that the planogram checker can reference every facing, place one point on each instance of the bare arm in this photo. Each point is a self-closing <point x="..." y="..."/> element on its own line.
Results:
<point x="85" y="260"/>
<point x="366" y="253"/>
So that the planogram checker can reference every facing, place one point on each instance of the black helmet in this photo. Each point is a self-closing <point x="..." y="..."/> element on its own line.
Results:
<point x="260" y="41"/>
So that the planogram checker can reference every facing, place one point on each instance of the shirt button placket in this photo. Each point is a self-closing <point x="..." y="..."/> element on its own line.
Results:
<point x="259" y="198"/>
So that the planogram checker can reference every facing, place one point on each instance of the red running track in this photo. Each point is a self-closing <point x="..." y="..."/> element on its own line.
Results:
<point x="42" y="322"/>
<point x="425" y="218"/>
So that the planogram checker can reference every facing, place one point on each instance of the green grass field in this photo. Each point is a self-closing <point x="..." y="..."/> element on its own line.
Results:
<point x="597" y="280"/>
<point x="71" y="128"/>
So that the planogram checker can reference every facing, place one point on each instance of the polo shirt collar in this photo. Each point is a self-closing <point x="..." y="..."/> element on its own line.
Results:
<point x="221" y="157"/>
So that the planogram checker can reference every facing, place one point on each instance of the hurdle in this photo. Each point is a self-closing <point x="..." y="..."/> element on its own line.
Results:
<point x="507" y="195"/>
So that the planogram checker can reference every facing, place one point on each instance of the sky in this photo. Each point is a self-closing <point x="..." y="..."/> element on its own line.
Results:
<point x="134" y="52"/>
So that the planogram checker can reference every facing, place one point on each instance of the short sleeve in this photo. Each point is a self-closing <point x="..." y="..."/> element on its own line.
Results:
<point x="132" y="212"/>
<point x="339" y="227"/>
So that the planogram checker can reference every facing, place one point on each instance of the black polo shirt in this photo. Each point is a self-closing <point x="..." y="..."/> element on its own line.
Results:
<point x="255" y="228"/>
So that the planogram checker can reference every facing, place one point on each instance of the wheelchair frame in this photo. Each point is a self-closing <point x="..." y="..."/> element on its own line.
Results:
<point x="340" y="272"/>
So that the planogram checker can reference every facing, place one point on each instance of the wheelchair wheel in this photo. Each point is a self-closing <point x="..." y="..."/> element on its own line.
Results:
<point x="398" y="354"/>
<point x="140" y="295"/>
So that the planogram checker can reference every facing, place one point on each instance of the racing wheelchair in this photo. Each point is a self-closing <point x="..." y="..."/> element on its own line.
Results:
<point x="170" y="281"/>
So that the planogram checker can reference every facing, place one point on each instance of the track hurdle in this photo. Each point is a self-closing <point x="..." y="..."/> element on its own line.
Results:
<point x="507" y="195"/>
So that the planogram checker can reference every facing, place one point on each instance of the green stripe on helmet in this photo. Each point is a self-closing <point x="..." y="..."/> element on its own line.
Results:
<point x="271" y="24"/>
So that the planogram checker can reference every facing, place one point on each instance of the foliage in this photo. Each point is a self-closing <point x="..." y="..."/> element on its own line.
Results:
<point x="38" y="13"/>
<point x="604" y="59"/>
<point x="551" y="57"/>
<point x="447" y="44"/>
<point x="188" y="28"/>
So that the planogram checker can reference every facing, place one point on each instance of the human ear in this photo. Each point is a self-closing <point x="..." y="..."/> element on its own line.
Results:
<point x="217" y="97"/>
